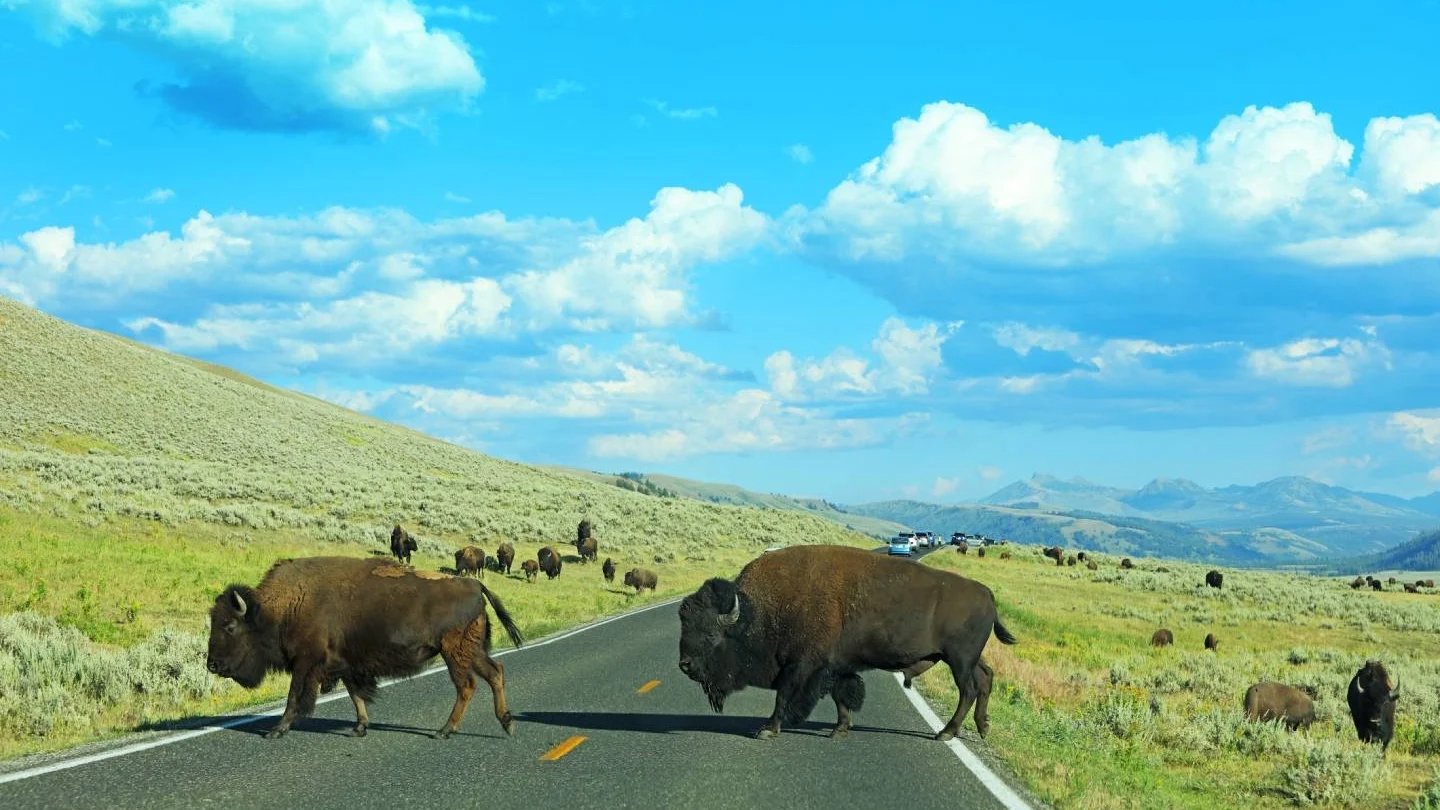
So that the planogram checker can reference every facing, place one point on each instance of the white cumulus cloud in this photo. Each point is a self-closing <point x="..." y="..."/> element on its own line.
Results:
<point x="1318" y="362"/>
<point x="308" y="64"/>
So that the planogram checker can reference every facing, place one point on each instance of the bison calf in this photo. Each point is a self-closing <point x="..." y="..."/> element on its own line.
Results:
<point x="608" y="570"/>
<point x="324" y="619"/>
<point x="1162" y="638"/>
<point x="1267" y="701"/>
<point x="531" y="568"/>
<point x="640" y="578"/>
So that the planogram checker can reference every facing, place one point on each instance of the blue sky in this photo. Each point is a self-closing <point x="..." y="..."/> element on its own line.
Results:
<point x="849" y="250"/>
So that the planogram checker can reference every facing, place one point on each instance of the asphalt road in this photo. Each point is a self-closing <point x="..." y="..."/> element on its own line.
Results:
<point x="643" y="747"/>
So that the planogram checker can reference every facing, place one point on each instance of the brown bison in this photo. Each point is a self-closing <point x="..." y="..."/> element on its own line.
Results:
<point x="1071" y="560"/>
<point x="1125" y="563"/>
<point x="1092" y="565"/>
<point x="585" y="543"/>
<point x="470" y="559"/>
<point x="530" y="568"/>
<point x="1211" y="642"/>
<point x="806" y="620"/>
<point x="1004" y="555"/>
<point x="1411" y="588"/>
<point x="984" y="678"/>
<point x="1082" y="557"/>
<point x="1267" y="701"/>
<point x="1429" y="583"/>
<point x="550" y="562"/>
<point x="504" y="557"/>
<point x="1214" y="578"/>
<point x="979" y="551"/>
<point x="402" y="544"/>
<point x="1357" y="583"/>
<point x="963" y="547"/>
<point x="1054" y="552"/>
<point x="1392" y="581"/>
<point x="1372" y="695"/>
<point x="324" y="619"/>
<point x="1377" y="585"/>
<point x="608" y="570"/>
<point x="641" y="578"/>
<point x="1162" y="638"/>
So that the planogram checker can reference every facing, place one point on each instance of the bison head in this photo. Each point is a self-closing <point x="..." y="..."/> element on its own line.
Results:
<point x="711" y="620"/>
<point x="1372" y="699"/>
<point x="238" y="647"/>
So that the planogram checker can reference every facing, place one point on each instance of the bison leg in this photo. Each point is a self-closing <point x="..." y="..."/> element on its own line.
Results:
<point x="797" y="690"/>
<point x="361" y="689"/>
<point x="494" y="674"/>
<point x="458" y="648"/>
<point x="849" y="694"/>
<point x="304" y="688"/>
<point x="984" y="678"/>
<point x="962" y="669"/>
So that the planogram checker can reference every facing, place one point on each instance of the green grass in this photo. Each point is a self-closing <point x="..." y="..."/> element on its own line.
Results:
<point x="1090" y="716"/>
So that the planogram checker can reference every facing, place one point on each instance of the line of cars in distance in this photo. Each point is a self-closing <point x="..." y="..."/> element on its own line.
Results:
<point x="905" y="544"/>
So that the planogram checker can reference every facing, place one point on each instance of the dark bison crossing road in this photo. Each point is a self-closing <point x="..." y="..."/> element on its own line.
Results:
<point x="660" y="747"/>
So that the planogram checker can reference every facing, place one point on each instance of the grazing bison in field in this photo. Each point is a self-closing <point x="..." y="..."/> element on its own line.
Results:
<point x="550" y="562"/>
<point x="324" y="619"/>
<point x="1215" y="579"/>
<point x="640" y="578"/>
<point x="1267" y="701"/>
<point x="984" y="679"/>
<point x="1357" y="583"/>
<point x="1429" y="583"/>
<point x="963" y="547"/>
<point x="1211" y="642"/>
<point x="1071" y="560"/>
<point x="1377" y="585"/>
<point x="530" y="569"/>
<point x="608" y="570"/>
<point x="979" y="551"/>
<point x="1054" y="552"/>
<point x="585" y="543"/>
<point x="806" y="620"/>
<point x="1372" y="695"/>
<point x="1392" y="581"/>
<point x="1004" y="555"/>
<point x="504" y="557"/>
<point x="401" y="544"/>
<point x="1162" y="638"/>
<point x="470" y="559"/>
<point x="1092" y="565"/>
<point x="1082" y="557"/>
<point x="1411" y="588"/>
<point x="1125" y="563"/>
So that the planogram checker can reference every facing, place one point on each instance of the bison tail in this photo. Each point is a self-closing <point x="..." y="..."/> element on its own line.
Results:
<point x="1004" y="635"/>
<point x="504" y="617"/>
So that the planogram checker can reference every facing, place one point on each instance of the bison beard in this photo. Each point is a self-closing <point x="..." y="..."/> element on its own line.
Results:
<point x="731" y="637"/>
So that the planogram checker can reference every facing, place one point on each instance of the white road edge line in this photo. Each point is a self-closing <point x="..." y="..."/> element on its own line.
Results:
<point x="247" y="719"/>
<point x="997" y="787"/>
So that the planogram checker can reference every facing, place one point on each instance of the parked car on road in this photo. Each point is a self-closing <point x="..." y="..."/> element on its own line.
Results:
<point x="900" y="545"/>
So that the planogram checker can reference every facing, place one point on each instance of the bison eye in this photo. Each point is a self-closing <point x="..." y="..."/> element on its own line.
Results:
<point x="232" y="627"/>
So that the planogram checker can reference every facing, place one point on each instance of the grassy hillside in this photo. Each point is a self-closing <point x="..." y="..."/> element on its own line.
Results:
<point x="135" y="484"/>
<point x="1420" y="554"/>
<point x="1090" y="716"/>
<point x="733" y="495"/>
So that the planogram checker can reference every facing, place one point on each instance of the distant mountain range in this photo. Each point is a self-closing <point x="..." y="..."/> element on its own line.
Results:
<point x="1291" y="519"/>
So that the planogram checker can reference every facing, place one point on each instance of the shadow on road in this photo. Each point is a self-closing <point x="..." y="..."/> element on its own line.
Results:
<point x="257" y="725"/>
<point x="729" y="725"/>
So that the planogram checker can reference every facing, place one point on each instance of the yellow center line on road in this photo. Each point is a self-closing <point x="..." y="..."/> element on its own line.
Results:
<point x="647" y="687"/>
<point x="562" y="749"/>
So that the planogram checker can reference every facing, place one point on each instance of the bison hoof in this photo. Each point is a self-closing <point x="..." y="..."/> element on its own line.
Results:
<point x="766" y="733"/>
<point x="907" y="683"/>
<point x="443" y="734"/>
<point x="839" y="733"/>
<point x="945" y="736"/>
<point x="358" y="731"/>
<point x="275" y="733"/>
<point x="509" y="725"/>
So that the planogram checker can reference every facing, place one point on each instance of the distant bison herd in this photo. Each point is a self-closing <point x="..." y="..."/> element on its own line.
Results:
<point x="1376" y="584"/>
<point x="804" y="621"/>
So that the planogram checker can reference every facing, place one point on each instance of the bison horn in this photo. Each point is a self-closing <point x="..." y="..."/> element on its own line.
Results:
<point x="734" y="614"/>
<point x="1395" y="693"/>
<point x="240" y="606"/>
